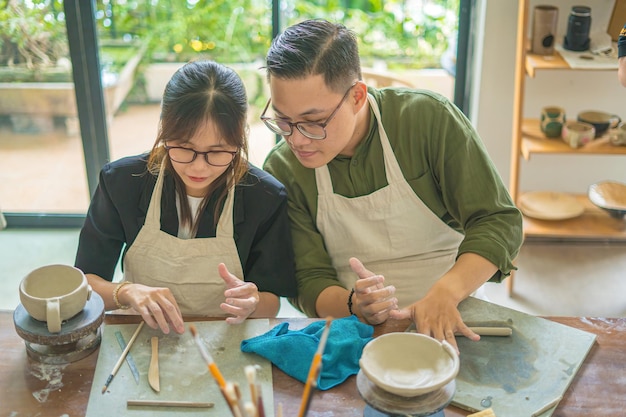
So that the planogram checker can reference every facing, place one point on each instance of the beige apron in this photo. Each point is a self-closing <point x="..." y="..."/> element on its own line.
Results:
<point x="390" y="230"/>
<point x="188" y="267"/>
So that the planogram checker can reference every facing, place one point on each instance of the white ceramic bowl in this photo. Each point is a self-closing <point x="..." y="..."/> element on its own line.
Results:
<point x="610" y="196"/>
<point x="409" y="364"/>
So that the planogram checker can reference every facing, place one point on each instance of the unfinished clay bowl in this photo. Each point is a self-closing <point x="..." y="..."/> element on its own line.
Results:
<point x="409" y="364"/>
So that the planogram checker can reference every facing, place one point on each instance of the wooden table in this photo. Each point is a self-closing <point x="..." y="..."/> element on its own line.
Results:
<point x="30" y="389"/>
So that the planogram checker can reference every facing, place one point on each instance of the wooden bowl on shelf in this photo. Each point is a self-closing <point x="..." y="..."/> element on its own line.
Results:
<point x="610" y="196"/>
<point x="548" y="205"/>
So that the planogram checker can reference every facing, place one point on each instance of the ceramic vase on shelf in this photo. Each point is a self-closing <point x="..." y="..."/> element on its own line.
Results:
<point x="578" y="25"/>
<point x="544" y="29"/>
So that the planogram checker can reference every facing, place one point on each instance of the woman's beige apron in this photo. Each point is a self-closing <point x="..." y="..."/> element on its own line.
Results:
<point x="390" y="230"/>
<point x="188" y="267"/>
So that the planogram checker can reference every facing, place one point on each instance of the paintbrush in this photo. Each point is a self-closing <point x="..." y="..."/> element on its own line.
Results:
<point x="230" y="393"/>
<point x="122" y="357"/>
<point x="250" y="372"/>
<point x="217" y="375"/>
<point x="256" y="394"/>
<point x="239" y="398"/>
<point x="314" y="371"/>
<point x="260" y="407"/>
<point x="250" y="409"/>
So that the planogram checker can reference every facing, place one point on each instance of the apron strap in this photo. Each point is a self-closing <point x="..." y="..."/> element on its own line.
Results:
<point x="153" y="216"/>
<point x="392" y="168"/>
<point x="225" y="225"/>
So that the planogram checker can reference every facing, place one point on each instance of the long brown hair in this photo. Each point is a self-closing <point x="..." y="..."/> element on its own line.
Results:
<point x="198" y="92"/>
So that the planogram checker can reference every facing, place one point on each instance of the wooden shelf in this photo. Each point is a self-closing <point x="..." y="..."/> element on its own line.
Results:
<point x="534" y="141"/>
<point x="593" y="224"/>
<point x="544" y="62"/>
<point x="527" y="139"/>
<point x="534" y="63"/>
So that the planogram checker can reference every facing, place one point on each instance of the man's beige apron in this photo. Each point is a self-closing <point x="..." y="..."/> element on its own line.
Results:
<point x="390" y="230"/>
<point x="188" y="267"/>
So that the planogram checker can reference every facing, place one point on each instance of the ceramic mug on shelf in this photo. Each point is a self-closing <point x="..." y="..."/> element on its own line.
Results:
<point x="602" y="121"/>
<point x="617" y="136"/>
<point x="552" y="119"/>
<point x="577" y="134"/>
<point x="54" y="293"/>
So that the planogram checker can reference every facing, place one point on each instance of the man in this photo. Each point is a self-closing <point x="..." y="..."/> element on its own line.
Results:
<point x="396" y="210"/>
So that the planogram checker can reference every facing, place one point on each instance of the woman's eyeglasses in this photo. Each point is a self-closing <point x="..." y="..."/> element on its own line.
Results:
<point x="188" y="155"/>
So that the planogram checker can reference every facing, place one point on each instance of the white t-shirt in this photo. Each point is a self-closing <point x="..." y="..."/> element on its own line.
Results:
<point x="184" y="231"/>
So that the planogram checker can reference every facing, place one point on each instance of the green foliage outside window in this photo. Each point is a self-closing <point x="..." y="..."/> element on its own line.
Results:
<point x="400" y="33"/>
<point x="403" y="33"/>
<point x="34" y="46"/>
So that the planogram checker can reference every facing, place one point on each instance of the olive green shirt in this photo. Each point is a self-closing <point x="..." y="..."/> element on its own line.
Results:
<point x="442" y="159"/>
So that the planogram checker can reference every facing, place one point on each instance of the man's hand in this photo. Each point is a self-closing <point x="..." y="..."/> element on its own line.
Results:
<point x="372" y="299"/>
<point x="436" y="315"/>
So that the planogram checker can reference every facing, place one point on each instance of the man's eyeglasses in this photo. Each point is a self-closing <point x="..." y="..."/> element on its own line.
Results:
<point x="188" y="155"/>
<point x="312" y="130"/>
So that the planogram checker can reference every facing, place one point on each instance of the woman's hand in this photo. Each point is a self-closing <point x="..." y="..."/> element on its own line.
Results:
<point x="242" y="297"/>
<point x="157" y="306"/>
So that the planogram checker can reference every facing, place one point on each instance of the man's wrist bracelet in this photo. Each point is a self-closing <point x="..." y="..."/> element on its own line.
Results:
<point x="350" y="302"/>
<point x="116" y="300"/>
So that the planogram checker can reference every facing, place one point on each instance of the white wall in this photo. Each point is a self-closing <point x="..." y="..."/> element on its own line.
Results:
<point x="573" y="90"/>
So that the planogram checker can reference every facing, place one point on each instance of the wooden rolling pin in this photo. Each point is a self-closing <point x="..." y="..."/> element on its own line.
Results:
<point x="157" y="403"/>
<point x="490" y="331"/>
<point x="501" y="331"/>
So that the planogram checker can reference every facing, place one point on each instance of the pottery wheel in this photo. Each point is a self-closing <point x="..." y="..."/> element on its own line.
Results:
<point x="79" y="335"/>
<point x="394" y="405"/>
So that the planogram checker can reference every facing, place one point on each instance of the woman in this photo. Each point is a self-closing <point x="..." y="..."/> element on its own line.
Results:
<point x="203" y="232"/>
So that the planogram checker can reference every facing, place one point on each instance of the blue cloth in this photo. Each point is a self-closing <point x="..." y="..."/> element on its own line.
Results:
<point x="292" y="350"/>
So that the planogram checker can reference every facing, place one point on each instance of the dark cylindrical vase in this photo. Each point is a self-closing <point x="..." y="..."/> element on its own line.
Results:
<point x="578" y="25"/>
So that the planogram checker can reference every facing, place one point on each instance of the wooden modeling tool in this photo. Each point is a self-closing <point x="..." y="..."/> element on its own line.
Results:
<point x="122" y="357"/>
<point x="157" y="403"/>
<point x="484" y="413"/>
<point x="314" y="371"/>
<point x="153" y="370"/>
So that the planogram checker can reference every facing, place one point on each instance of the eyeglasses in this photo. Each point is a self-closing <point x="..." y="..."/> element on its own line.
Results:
<point x="187" y="156"/>
<point x="312" y="130"/>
